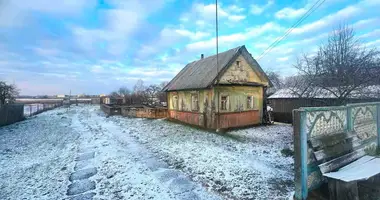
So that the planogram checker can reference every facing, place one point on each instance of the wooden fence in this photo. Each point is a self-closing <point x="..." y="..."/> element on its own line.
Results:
<point x="11" y="113"/>
<point x="362" y="118"/>
<point x="111" y="109"/>
<point x="283" y="107"/>
<point x="144" y="112"/>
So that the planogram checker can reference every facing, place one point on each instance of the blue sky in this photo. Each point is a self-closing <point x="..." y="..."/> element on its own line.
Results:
<point x="96" y="46"/>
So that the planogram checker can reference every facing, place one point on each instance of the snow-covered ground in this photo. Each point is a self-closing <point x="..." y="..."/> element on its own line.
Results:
<point x="142" y="159"/>
<point x="36" y="156"/>
<point x="241" y="164"/>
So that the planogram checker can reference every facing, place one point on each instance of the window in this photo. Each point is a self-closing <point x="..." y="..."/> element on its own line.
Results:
<point x="250" y="102"/>
<point x="224" y="103"/>
<point x="194" y="102"/>
<point x="175" y="102"/>
<point x="238" y="64"/>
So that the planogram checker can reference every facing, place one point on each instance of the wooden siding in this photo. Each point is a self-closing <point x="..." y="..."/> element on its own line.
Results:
<point x="246" y="118"/>
<point x="188" y="117"/>
<point x="206" y="116"/>
<point x="243" y="74"/>
<point x="238" y="98"/>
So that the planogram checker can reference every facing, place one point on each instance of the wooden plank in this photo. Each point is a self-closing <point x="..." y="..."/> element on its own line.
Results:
<point x="339" y="190"/>
<point x="357" y="172"/>
<point x="341" y="161"/>
<point x="361" y="161"/>
<point x="347" y="191"/>
<point x="330" y="140"/>
<point x="337" y="150"/>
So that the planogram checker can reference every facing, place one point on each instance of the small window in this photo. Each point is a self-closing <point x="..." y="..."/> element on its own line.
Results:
<point x="194" y="102"/>
<point x="238" y="64"/>
<point x="249" y="102"/>
<point x="224" y="103"/>
<point x="175" y="102"/>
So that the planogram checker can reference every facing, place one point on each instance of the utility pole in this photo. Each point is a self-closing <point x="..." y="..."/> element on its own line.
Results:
<point x="217" y="62"/>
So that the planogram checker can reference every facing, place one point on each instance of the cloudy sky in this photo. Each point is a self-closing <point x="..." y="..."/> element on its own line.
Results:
<point x="96" y="46"/>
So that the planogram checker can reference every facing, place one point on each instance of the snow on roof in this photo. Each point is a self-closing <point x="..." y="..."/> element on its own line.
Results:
<point x="372" y="91"/>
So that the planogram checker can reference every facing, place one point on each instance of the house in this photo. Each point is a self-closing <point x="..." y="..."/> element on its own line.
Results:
<point x="224" y="96"/>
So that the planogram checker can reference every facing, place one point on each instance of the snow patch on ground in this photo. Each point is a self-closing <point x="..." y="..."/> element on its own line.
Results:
<point x="241" y="164"/>
<point x="35" y="157"/>
<point x="126" y="170"/>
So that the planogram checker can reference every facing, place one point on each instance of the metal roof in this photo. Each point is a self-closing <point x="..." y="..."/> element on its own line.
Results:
<point x="203" y="73"/>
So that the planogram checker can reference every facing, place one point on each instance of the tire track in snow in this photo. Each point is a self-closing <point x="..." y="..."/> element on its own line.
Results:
<point x="126" y="170"/>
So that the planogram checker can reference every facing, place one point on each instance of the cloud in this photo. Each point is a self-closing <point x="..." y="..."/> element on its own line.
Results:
<point x="17" y="12"/>
<point x="205" y="13"/>
<point x="282" y="59"/>
<point x="192" y="35"/>
<point x="236" y="38"/>
<point x="236" y="18"/>
<point x="290" y="13"/>
<point x="258" y="9"/>
<point x="46" y="52"/>
<point x="329" y="20"/>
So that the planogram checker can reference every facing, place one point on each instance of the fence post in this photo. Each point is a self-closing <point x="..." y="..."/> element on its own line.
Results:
<point x="300" y="156"/>
<point x="350" y="123"/>
<point x="378" y="125"/>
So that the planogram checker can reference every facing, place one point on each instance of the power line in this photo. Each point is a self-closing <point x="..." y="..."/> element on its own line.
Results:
<point x="278" y="40"/>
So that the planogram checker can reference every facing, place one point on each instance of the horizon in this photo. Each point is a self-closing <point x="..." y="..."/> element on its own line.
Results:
<point x="98" y="46"/>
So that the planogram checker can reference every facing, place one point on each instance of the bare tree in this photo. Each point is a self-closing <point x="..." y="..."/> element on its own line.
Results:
<point x="8" y="93"/>
<point x="162" y="96"/>
<point x="340" y="66"/>
<point x="276" y="79"/>
<point x="152" y="93"/>
<point x="124" y="91"/>
<point x="139" y="87"/>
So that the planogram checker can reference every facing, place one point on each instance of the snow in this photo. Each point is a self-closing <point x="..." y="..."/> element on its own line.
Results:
<point x="242" y="164"/>
<point x="142" y="158"/>
<point x="35" y="157"/>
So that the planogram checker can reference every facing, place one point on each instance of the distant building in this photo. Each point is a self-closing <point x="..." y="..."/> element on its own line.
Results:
<point x="62" y="96"/>
<point x="228" y="95"/>
<point x="285" y="100"/>
<point x="112" y="100"/>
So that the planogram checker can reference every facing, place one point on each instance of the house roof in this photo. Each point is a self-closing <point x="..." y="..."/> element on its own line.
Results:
<point x="203" y="73"/>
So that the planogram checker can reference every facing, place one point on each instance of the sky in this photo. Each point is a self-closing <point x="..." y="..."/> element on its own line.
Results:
<point x="96" y="46"/>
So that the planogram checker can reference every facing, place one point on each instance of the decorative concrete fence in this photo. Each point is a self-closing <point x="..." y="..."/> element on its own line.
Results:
<point x="11" y="113"/>
<point x="363" y="119"/>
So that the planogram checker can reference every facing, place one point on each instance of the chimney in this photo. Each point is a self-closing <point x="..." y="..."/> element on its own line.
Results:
<point x="202" y="56"/>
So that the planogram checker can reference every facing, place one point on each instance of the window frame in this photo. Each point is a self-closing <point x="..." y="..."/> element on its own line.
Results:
<point x="250" y="104"/>
<point x="226" y="104"/>
<point x="196" y="106"/>
<point x="175" y="102"/>
<point x="238" y="65"/>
